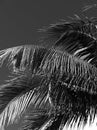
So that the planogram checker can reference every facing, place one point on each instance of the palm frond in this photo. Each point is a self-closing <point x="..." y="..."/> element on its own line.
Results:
<point x="70" y="108"/>
<point x="78" y="36"/>
<point x="37" y="119"/>
<point x="13" y="88"/>
<point x="62" y="79"/>
<point x="76" y="106"/>
<point x="83" y="25"/>
<point x="16" y="97"/>
<point x="19" y="105"/>
<point x="66" y="68"/>
<point x="88" y="7"/>
<point x="62" y="66"/>
<point x="21" y="57"/>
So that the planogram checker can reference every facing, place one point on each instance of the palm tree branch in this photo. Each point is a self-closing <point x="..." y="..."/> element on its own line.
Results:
<point x="15" y="106"/>
<point x="56" y="63"/>
<point x="73" y="36"/>
<point x="85" y="26"/>
<point x="52" y="62"/>
<point x="62" y="67"/>
<point x="37" y="119"/>
<point x="21" y="57"/>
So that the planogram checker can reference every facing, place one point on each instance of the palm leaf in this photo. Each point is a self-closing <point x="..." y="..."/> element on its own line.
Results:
<point x="88" y="7"/>
<point x="77" y="37"/>
<point x="76" y="78"/>
<point x="71" y="109"/>
<point x="62" y="79"/>
<point x="21" y="57"/>
<point x="37" y="119"/>
<point x="55" y="63"/>
<point x="17" y="96"/>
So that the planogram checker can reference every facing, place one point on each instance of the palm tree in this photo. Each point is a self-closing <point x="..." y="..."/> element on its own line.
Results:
<point x="53" y="84"/>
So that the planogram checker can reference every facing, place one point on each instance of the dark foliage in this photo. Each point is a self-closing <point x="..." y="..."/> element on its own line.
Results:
<point x="57" y="80"/>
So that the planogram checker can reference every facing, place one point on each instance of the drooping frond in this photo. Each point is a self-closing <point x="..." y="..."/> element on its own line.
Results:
<point x="62" y="83"/>
<point x="22" y="57"/>
<point x="85" y="26"/>
<point x="51" y="62"/>
<point x="72" y="109"/>
<point x="77" y="37"/>
<point x="73" y="106"/>
<point x="58" y="78"/>
<point x="70" y="70"/>
<point x="88" y="7"/>
<point x="17" y="96"/>
<point x="39" y="119"/>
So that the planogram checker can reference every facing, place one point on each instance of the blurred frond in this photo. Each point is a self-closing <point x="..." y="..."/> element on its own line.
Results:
<point x="88" y="7"/>
<point x="71" y="109"/>
<point x="58" y="64"/>
<point x="60" y="82"/>
<point x="23" y="57"/>
<point x="16" y="97"/>
<point x="68" y="69"/>
<point x="39" y="119"/>
<point x="79" y="36"/>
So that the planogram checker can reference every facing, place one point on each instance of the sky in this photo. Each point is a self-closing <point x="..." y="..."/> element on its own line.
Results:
<point x="21" y="19"/>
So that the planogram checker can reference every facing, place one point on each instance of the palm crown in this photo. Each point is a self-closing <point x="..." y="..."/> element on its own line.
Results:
<point x="56" y="80"/>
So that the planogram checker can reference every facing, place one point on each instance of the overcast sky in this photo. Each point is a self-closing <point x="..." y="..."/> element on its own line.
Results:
<point x="20" y="19"/>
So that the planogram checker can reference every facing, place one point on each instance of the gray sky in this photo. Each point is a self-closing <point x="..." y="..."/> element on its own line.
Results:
<point x="20" y="19"/>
